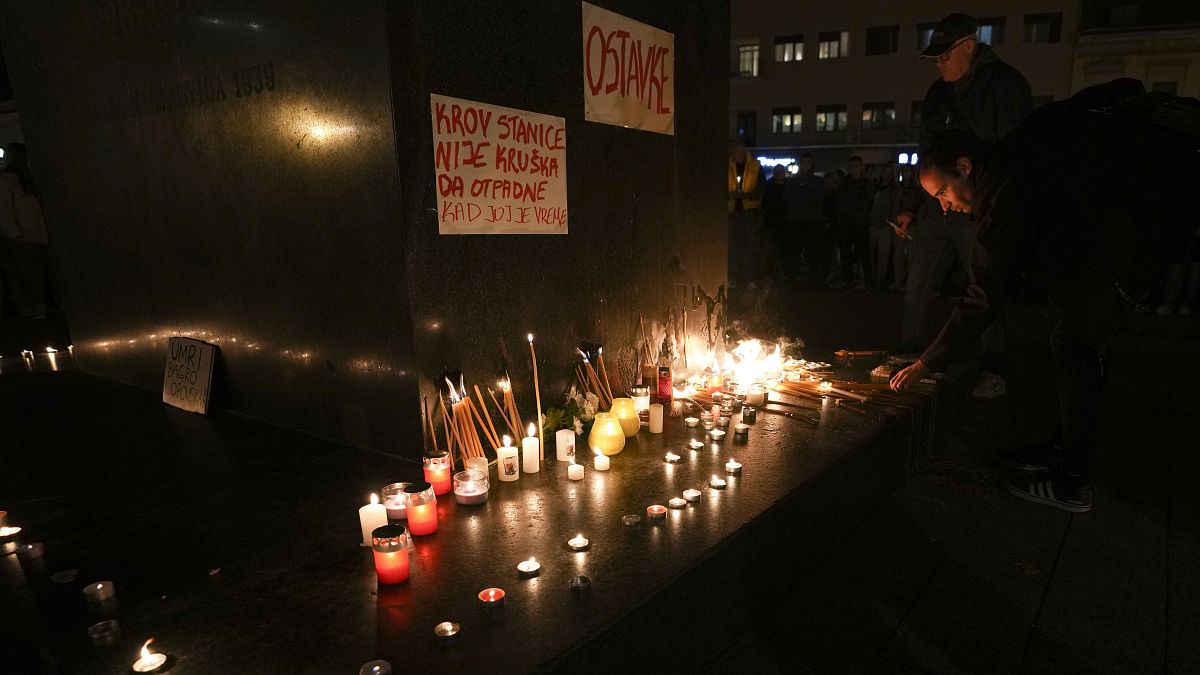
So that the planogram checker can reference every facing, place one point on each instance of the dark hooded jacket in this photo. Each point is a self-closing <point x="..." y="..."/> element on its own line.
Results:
<point x="989" y="101"/>
<point x="1082" y="202"/>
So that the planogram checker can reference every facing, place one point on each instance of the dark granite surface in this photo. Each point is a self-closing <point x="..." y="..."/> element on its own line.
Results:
<point x="235" y="544"/>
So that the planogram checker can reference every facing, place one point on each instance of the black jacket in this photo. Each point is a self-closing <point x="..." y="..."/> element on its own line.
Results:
<point x="1085" y="206"/>
<point x="989" y="101"/>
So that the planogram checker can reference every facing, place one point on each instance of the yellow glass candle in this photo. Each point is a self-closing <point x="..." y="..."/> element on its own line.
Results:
<point x="626" y="412"/>
<point x="607" y="434"/>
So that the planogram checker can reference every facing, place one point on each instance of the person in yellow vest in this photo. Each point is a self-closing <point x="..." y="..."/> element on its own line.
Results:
<point x="746" y="186"/>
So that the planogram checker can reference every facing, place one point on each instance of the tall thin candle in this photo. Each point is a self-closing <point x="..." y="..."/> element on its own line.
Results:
<point x="537" y="392"/>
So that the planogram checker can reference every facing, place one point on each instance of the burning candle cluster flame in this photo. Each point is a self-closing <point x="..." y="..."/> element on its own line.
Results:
<point x="752" y="361"/>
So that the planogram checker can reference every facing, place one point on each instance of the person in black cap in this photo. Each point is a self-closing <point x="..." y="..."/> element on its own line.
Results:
<point x="1082" y="202"/>
<point x="978" y="93"/>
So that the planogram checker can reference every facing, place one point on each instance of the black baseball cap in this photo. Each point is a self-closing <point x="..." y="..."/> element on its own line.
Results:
<point x="949" y="31"/>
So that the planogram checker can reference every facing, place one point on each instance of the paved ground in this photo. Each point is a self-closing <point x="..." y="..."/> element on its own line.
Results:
<point x="954" y="575"/>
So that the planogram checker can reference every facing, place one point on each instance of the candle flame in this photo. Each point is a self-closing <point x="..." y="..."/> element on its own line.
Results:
<point x="533" y="561"/>
<point x="532" y="430"/>
<point x="597" y="451"/>
<point x="507" y="441"/>
<point x="145" y="653"/>
<point x="530" y="338"/>
<point x="825" y="386"/>
<point x="583" y="355"/>
<point x="503" y="384"/>
<point x="374" y="498"/>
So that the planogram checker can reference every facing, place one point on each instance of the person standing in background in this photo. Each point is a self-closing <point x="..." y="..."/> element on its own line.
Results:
<point x="854" y="199"/>
<point x="746" y="188"/>
<point x="805" y="197"/>
<point x="978" y="93"/>
<point x="775" y="223"/>
<point x="886" y="188"/>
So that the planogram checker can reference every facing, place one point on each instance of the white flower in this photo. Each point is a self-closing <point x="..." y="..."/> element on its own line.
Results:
<point x="593" y="399"/>
<point x="578" y="426"/>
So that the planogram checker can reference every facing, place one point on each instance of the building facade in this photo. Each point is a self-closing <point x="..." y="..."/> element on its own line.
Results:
<point x="1155" y="42"/>
<point x="843" y="79"/>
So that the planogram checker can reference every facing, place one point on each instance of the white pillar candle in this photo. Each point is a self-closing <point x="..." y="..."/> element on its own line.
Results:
<point x="371" y="516"/>
<point x="656" y="418"/>
<point x="531" y="456"/>
<point x="564" y="445"/>
<point x="575" y="471"/>
<point x="507" y="463"/>
<point x="601" y="460"/>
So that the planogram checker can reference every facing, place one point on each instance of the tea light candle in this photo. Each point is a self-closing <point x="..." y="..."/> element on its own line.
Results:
<point x="672" y="458"/>
<point x="371" y="516"/>
<point x="578" y="543"/>
<point x="716" y="483"/>
<point x="575" y="471"/>
<point x="29" y="552"/>
<point x="677" y="502"/>
<point x="471" y="487"/>
<point x="691" y="494"/>
<point x="690" y="421"/>
<point x="446" y="630"/>
<point x="579" y="584"/>
<point x="376" y="667"/>
<point x="626" y="413"/>
<point x="631" y="520"/>
<point x="733" y="467"/>
<point x="422" y="509"/>
<point x="723" y="422"/>
<point x="491" y="598"/>
<point x="564" y="445"/>
<point x="99" y="591"/>
<point x="607" y="434"/>
<point x="529" y="568"/>
<point x="438" y="468"/>
<point x="531" y="454"/>
<point x="717" y="435"/>
<point x="717" y="396"/>
<point x="741" y="432"/>
<point x="506" y="461"/>
<point x="656" y="418"/>
<point x="389" y="547"/>
<point x="656" y="512"/>
<point x="149" y="662"/>
<point x="696" y="444"/>
<point x="394" y="502"/>
<point x="601" y="461"/>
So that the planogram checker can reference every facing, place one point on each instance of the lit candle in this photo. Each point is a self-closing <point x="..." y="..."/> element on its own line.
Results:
<point x="491" y="598"/>
<point x="676" y="408"/>
<point x="717" y="435"/>
<point x="825" y="387"/>
<point x="756" y="397"/>
<point x="99" y="591"/>
<point x="690" y="421"/>
<point x="148" y="662"/>
<point x="29" y="552"/>
<point x="376" y="667"/>
<point x="389" y="545"/>
<point x="578" y="543"/>
<point x="394" y="502"/>
<point x="716" y="483"/>
<point x="575" y="471"/>
<point x="422" y="509"/>
<point x="446" y="630"/>
<point x="437" y="471"/>
<point x="723" y="422"/>
<point x="733" y="467"/>
<point x="531" y="454"/>
<point x="677" y="502"/>
<point x="641" y="398"/>
<point x="691" y="494"/>
<point x="656" y="418"/>
<point x="507" y="464"/>
<point x="607" y="434"/>
<point x="695" y="444"/>
<point x="371" y="516"/>
<point x="626" y="413"/>
<point x="656" y="512"/>
<point x="471" y="487"/>
<point x="529" y="568"/>
<point x="564" y="445"/>
<point x="601" y="462"/>
<point x="672" y="458"/>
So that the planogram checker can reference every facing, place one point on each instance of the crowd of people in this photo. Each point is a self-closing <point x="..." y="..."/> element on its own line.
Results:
<point x="1083" y="202"/>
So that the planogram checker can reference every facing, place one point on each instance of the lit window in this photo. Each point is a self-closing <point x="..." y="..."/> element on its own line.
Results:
<point x="991" y="31"/>
<point x="883" y="40"/>
<point x="747" y="65"/>
<point x="833" y="44"/>
<point x="881" y="115"/>
<point x="786" y="121"/>
<point x="831" y="118"/>
<point x="903" y="158"/>
<point x="914" y="159"/>
<point x="1043" y="28"/>
<point x="789" y="48"/>
<point x="924" y="35"/>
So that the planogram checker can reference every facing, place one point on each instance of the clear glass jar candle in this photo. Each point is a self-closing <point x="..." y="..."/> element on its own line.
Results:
<point x="422" y="509"/>
<point x="470" y="487"/>
<point x="641" y="398"/>
<point x="394" y="502"/>
<point x="437" y="471"/>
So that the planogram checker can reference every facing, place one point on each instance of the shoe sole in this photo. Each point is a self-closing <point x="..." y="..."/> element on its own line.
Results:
<point x="1062" y="506"/>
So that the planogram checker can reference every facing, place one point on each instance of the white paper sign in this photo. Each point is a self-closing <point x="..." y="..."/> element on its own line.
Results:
<point x="628" y="72"/>
<point x="498" y="170"/>
<point x="189" y="374"/>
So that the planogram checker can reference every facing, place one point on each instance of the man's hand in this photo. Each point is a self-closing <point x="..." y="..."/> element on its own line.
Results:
<point x="905" y="378"/>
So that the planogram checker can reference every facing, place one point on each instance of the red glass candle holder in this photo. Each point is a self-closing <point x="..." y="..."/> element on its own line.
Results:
<point x="389" y="544"/>
<point x="422" y="509"/>
<point x="438" y="471"/>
